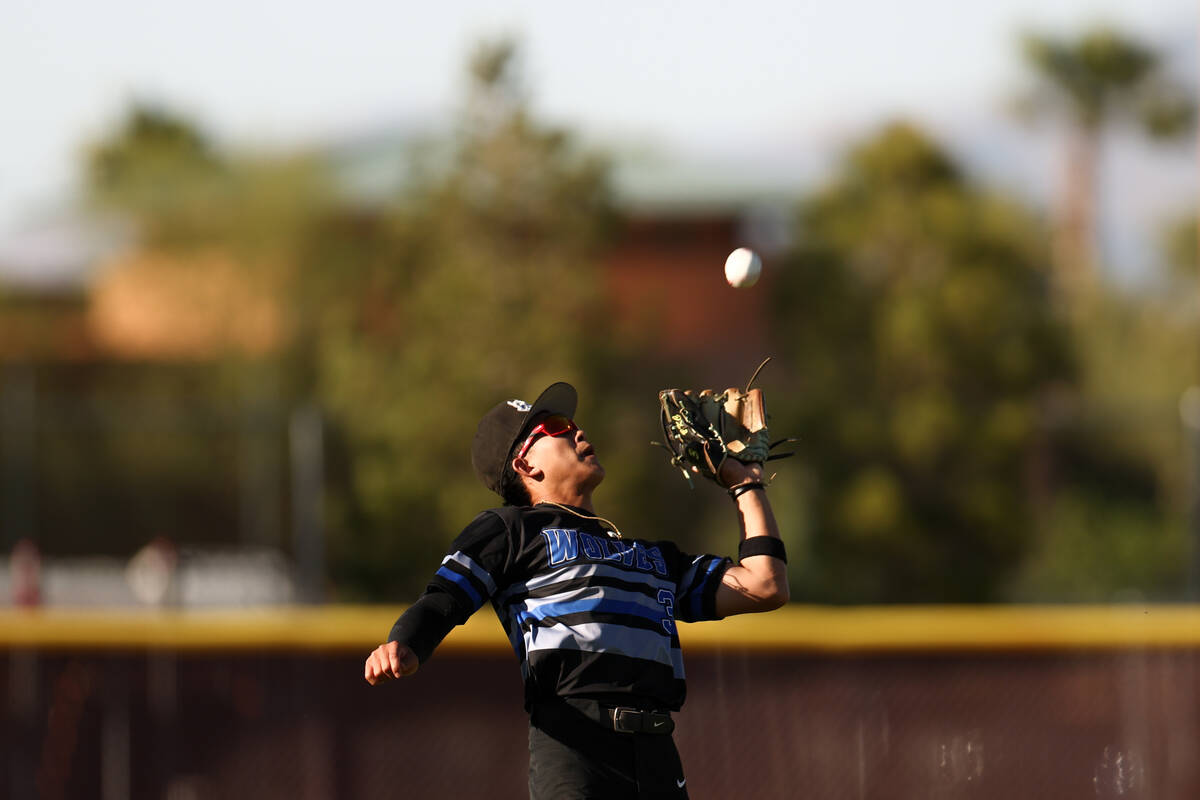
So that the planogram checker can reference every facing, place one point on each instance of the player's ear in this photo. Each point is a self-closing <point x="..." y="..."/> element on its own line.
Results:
<point x="523" y="468"/>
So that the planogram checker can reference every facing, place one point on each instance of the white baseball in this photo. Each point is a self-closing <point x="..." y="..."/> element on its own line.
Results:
<point x="742" y="268"/>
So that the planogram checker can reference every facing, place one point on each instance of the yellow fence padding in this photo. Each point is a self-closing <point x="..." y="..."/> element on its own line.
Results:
<point x="851" y="630"/>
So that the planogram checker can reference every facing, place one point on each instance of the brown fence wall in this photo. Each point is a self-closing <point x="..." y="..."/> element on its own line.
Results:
<point x="187" y="721"/>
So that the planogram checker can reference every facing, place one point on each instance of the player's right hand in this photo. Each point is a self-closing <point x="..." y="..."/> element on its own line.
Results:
<point x="390" y="660"/>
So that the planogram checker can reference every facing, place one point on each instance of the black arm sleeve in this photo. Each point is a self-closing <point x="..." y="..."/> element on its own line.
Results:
<point x="426" y="622"/>
<point x="465" y="581"/>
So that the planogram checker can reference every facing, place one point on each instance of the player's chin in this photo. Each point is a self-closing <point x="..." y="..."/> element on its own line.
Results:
<point x="595" y="467"/>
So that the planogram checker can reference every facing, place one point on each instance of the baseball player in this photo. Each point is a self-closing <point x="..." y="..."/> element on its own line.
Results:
<point x="590" y="614"/>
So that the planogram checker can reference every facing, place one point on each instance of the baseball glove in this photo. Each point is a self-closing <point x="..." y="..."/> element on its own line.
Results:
<point x="704" y="428"/>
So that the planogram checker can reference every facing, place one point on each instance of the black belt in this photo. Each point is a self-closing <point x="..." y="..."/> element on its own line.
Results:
<point x="635" y="720"/>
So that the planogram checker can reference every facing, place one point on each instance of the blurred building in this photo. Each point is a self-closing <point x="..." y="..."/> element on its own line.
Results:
<point x="668" y="262"/>
<point x="46" y="273"/>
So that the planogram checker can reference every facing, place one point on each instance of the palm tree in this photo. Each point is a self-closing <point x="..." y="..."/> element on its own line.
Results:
<point x="1091" y="82"/>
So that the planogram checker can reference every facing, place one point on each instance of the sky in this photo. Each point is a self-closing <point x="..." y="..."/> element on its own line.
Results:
<point x="762" y="77"/>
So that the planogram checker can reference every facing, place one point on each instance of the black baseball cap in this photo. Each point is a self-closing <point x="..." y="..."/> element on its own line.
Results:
<point x="506" y="424"/>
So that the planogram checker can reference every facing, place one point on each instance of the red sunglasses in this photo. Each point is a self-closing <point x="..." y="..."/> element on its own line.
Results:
<point x="553" y="425"/>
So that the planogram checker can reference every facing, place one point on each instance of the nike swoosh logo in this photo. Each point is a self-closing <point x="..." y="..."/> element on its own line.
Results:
<point x="659" y="724"/>
<point x="680" y="784"/>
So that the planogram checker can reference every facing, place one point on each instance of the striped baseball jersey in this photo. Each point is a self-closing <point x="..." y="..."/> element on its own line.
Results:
<point x="587" y="614"/>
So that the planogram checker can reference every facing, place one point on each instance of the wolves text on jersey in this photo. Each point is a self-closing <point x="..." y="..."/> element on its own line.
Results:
<point x="566" y="544"/>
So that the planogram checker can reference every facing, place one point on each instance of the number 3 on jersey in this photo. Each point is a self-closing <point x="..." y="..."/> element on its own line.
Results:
<point x="667" y="598"/>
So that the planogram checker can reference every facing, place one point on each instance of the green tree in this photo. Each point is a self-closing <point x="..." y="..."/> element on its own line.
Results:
<point x="1091" y="82"/>
<point x="480" y="284"/>
<point x="916" y="317"/>
<point x="1181" y="243"/>
<point x="1116" y="523"/>
<point x="164" y="172"/>
<point x="1118" y="527"/>
<point x="159" y="169"/>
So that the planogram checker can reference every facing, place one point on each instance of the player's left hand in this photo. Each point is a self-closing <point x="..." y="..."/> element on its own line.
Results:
<point x="734" y="472"/>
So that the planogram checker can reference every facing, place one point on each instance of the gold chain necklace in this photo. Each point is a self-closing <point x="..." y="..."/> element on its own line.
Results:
<point x="615" y="533"/>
